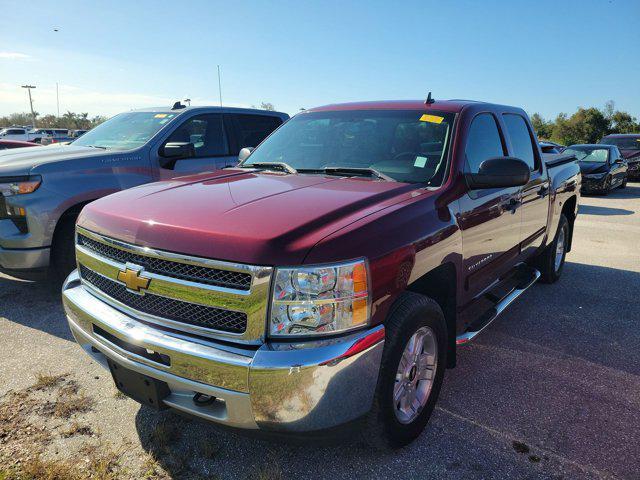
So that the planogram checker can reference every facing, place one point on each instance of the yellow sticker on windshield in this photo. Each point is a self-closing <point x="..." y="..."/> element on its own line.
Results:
<point x="431" y="118"/>
<point x="160" y="115"/>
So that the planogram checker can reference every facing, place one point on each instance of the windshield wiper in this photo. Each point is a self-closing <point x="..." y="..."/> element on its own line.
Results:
<point x="283" y="167"/>
<point x="365" y="171"/>
<point x="97" y="146"/>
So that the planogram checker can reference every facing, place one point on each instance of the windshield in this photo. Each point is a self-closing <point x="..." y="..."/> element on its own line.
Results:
<point x="596" y="155"/>
<point x="406" y="145"/>
<point x="623" y="143"/>
<point x="125" y="131"/>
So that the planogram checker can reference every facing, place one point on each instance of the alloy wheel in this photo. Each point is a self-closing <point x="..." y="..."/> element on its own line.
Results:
<point x="415" y="375"/>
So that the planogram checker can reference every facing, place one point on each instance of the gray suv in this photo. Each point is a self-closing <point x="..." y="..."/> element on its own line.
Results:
<point x="43" y="191"/>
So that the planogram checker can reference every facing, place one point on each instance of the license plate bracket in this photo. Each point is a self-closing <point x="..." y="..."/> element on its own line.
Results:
<point x="143" y="389"/>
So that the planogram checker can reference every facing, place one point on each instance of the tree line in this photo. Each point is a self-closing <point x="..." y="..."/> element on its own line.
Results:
<point x="69" y="120"/>
<point x="586" y="125"/>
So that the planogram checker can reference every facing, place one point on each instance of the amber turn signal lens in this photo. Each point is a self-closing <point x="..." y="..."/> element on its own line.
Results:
<point x="26" y="187"/>
<point x="359" y="278"/>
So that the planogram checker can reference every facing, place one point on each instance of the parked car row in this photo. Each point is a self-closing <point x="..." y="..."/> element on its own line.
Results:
<point x="44" y="136"/>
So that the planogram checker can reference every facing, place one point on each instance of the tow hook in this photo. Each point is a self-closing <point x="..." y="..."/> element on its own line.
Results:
<point x="203" y="400"/>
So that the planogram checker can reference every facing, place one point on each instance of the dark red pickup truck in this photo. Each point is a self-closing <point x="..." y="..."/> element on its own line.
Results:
<point x="329" y="278"/>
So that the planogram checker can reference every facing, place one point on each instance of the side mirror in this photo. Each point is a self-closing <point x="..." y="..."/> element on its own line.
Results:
<point x="244" y="154"/>
<point x="174" y="151"/>
<point x="500" y="172"/>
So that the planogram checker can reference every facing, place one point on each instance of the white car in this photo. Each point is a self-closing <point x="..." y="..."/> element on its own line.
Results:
<point x="24" y="134"/>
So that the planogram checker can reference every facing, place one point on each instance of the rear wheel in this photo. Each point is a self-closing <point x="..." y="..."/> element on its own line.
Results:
<point x="551" y="261"/>
<point x="411" y="372"/>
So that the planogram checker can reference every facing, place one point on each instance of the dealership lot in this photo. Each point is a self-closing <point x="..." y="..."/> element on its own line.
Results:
<point x="551" y="390"/>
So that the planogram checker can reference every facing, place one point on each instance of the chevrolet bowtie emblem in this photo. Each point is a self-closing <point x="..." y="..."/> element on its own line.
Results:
<point x="132" y="279"/>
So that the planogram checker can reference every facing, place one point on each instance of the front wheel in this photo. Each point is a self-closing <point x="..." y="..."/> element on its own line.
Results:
<point x="411" y="372"/>
<point x="63" y="256"/>
<point x="607" y="186"/>
<point x="624" y="182"/>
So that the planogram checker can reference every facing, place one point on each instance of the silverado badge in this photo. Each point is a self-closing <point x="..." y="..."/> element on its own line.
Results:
<point x="132" y="278"/>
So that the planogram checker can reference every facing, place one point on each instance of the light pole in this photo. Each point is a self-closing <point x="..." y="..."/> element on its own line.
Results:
<point x="219" y="85"/>
<point x="33" y="115"/>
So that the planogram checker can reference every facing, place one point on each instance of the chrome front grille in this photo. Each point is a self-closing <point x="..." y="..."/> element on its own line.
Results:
<point x="189" y="294"/>
<point x="189" y="313"/>
<point x="184" y="271"/>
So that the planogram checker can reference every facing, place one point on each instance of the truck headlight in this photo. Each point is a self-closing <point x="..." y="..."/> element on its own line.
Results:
<point x="10" y="186"/>
<point x="320" y="300"/>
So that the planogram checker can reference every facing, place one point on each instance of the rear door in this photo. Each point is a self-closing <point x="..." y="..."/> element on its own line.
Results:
<point x="535" y="194"/>
<point x="489" y="218"/>
<point x="208" y="135"/>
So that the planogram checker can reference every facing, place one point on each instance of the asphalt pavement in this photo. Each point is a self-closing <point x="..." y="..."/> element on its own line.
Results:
<point x="549" y="390"/>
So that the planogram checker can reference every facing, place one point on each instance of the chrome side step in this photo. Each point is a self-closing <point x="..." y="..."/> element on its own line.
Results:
<point x="484" y="321"/>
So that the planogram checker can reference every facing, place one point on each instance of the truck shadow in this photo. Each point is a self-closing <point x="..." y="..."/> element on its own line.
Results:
<point x="512" y="380"/>
<point x="606" y="211"/>
<point x="34" y="305"/>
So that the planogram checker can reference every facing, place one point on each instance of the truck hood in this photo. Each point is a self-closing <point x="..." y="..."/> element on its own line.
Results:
<point x="243" y="216"/>
<point x="593" y="167"/>
<point x="20" y="161"/>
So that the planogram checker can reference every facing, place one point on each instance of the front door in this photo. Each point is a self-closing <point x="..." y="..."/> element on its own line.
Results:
<point x="489" y="219"/>
<point x="618" y="167"/>
<point x="209" y="138"/>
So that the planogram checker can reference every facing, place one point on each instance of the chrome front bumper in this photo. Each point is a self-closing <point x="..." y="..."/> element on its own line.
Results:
<point x="289" y="387"/>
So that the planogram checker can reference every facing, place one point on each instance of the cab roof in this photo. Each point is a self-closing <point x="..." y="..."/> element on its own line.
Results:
<point x="622" y="135"/>
<point x="205" y="108"/>
<point x="453" y="106"/>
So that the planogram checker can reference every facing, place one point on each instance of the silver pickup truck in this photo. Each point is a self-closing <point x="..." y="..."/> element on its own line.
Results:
<point x="43" y="190"/>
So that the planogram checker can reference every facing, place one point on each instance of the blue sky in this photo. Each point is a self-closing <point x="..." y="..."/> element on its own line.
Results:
<point x="546" y="56"/>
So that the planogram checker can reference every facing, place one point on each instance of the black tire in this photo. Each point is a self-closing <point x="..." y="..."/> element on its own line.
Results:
<point x="410" y="312"/>
<point x="63" y="255"/>
<point x="624" y="182"/>
<point x="607" y="187"/>
<point x="547" y="261"/>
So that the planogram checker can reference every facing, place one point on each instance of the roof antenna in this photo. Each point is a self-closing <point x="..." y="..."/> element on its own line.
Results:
<point x="429" y="100"/>
<point x="177" y="106"/>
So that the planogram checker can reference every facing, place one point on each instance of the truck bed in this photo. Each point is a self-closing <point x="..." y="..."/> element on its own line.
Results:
<point x="556" y="159"/>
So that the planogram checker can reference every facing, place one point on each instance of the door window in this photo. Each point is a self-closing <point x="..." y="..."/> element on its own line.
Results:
<point x="206" y="133"/>
<point x="484" y="142"/>
<point x="252" y="129"/>
<point x="521" y="141"/>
